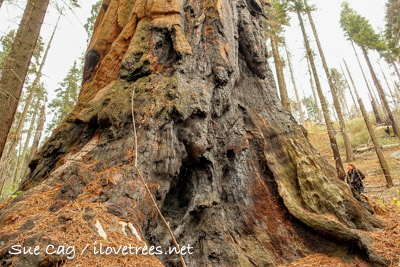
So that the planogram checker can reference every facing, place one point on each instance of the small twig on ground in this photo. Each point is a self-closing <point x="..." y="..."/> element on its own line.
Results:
<point x="148" y="190"/>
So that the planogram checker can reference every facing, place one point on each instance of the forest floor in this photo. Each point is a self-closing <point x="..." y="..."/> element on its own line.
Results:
<point x="387" y="241"/>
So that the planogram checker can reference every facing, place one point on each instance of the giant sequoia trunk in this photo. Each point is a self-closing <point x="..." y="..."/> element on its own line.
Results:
<point x="232" y="172"/>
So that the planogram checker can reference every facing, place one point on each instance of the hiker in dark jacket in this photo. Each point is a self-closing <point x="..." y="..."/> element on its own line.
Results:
<point x="354" y="178"/>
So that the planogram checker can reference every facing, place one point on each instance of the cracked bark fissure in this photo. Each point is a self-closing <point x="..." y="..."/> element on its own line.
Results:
<point x="232" y="172"/>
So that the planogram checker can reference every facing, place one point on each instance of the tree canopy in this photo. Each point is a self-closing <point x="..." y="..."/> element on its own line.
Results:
<point x="392" y="30"/>
<point x="359" y="30"/>
<point x="66" y="97"/>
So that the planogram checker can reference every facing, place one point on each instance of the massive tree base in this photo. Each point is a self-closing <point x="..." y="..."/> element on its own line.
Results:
<point x="232" y="172"/>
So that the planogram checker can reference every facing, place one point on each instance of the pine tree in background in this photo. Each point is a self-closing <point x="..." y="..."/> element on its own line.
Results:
<point x="90" y="23"/>
<point x="356" y="108"/>
<point x="359" y="30"/>
<point x="24" y="158"/>
<point x="336" y="102"/>
<point x="392" y="30"/>
<point x="66" y="97"/>
<point x="6" y="42"/>
<point x="298" y="101"/>
<point x="311" y="108"/>
<point x="299" y="8"/>
<point x="375" y="107"/>
<point x="14" y="136"/>
<point x="39" y="130"/>
<point x="277" y="19"/>
<point x="314" y="94"/>
<point x="371" y="131"/>
<point x="16" y="65"/>
<point x="392" y="95"/>
<point x="340" y="87"/>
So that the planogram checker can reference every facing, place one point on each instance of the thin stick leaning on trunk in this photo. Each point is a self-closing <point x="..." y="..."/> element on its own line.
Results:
<point x="148" y="190"/>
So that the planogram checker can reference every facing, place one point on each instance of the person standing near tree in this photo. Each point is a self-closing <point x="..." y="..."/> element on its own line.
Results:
<point x="355" y="177"/>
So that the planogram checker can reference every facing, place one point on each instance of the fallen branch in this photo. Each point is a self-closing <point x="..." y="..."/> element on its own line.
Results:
<point x="369" y="148"/>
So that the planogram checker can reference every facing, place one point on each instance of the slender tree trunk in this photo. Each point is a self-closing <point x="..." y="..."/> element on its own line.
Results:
<point x="319" y="113"/>
<point x="279" y="74"/>
<point x="1" y="3"/>
<point x="377" y="146"/>
<point x="39" y="132"/>
<point x="346" y="107"/>
<point x="299" y="107"/>
<point x="389" y="87"/>
<point x="357" y="109"/>
<point x="21" y="120"/>
<point x="343" y="104"/>
<point x="396" y="69"/>
<point x="308" y="113"/>
<point x="378" y="117"/>
<point x="4" y="158"/>
<point x="375" y="109"/>
<point x="334" y="113"/>
<point x="329" y="125"/>
<point x="378" y="100"/>
<point x="7" y="168"/>
<point x="336" y="103"/>
<point x="17" y="63"/>
<point x="22" y="162"/>
<point x="395" y="126"/>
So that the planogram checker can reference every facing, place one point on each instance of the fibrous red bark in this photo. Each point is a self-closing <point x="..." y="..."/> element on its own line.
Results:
<point x="231" y="170"/>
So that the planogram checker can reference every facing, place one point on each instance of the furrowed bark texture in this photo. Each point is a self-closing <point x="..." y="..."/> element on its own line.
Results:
<point x="232" y="172"/>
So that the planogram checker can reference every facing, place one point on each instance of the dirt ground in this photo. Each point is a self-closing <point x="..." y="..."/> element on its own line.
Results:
<point x="385" y="242"/>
